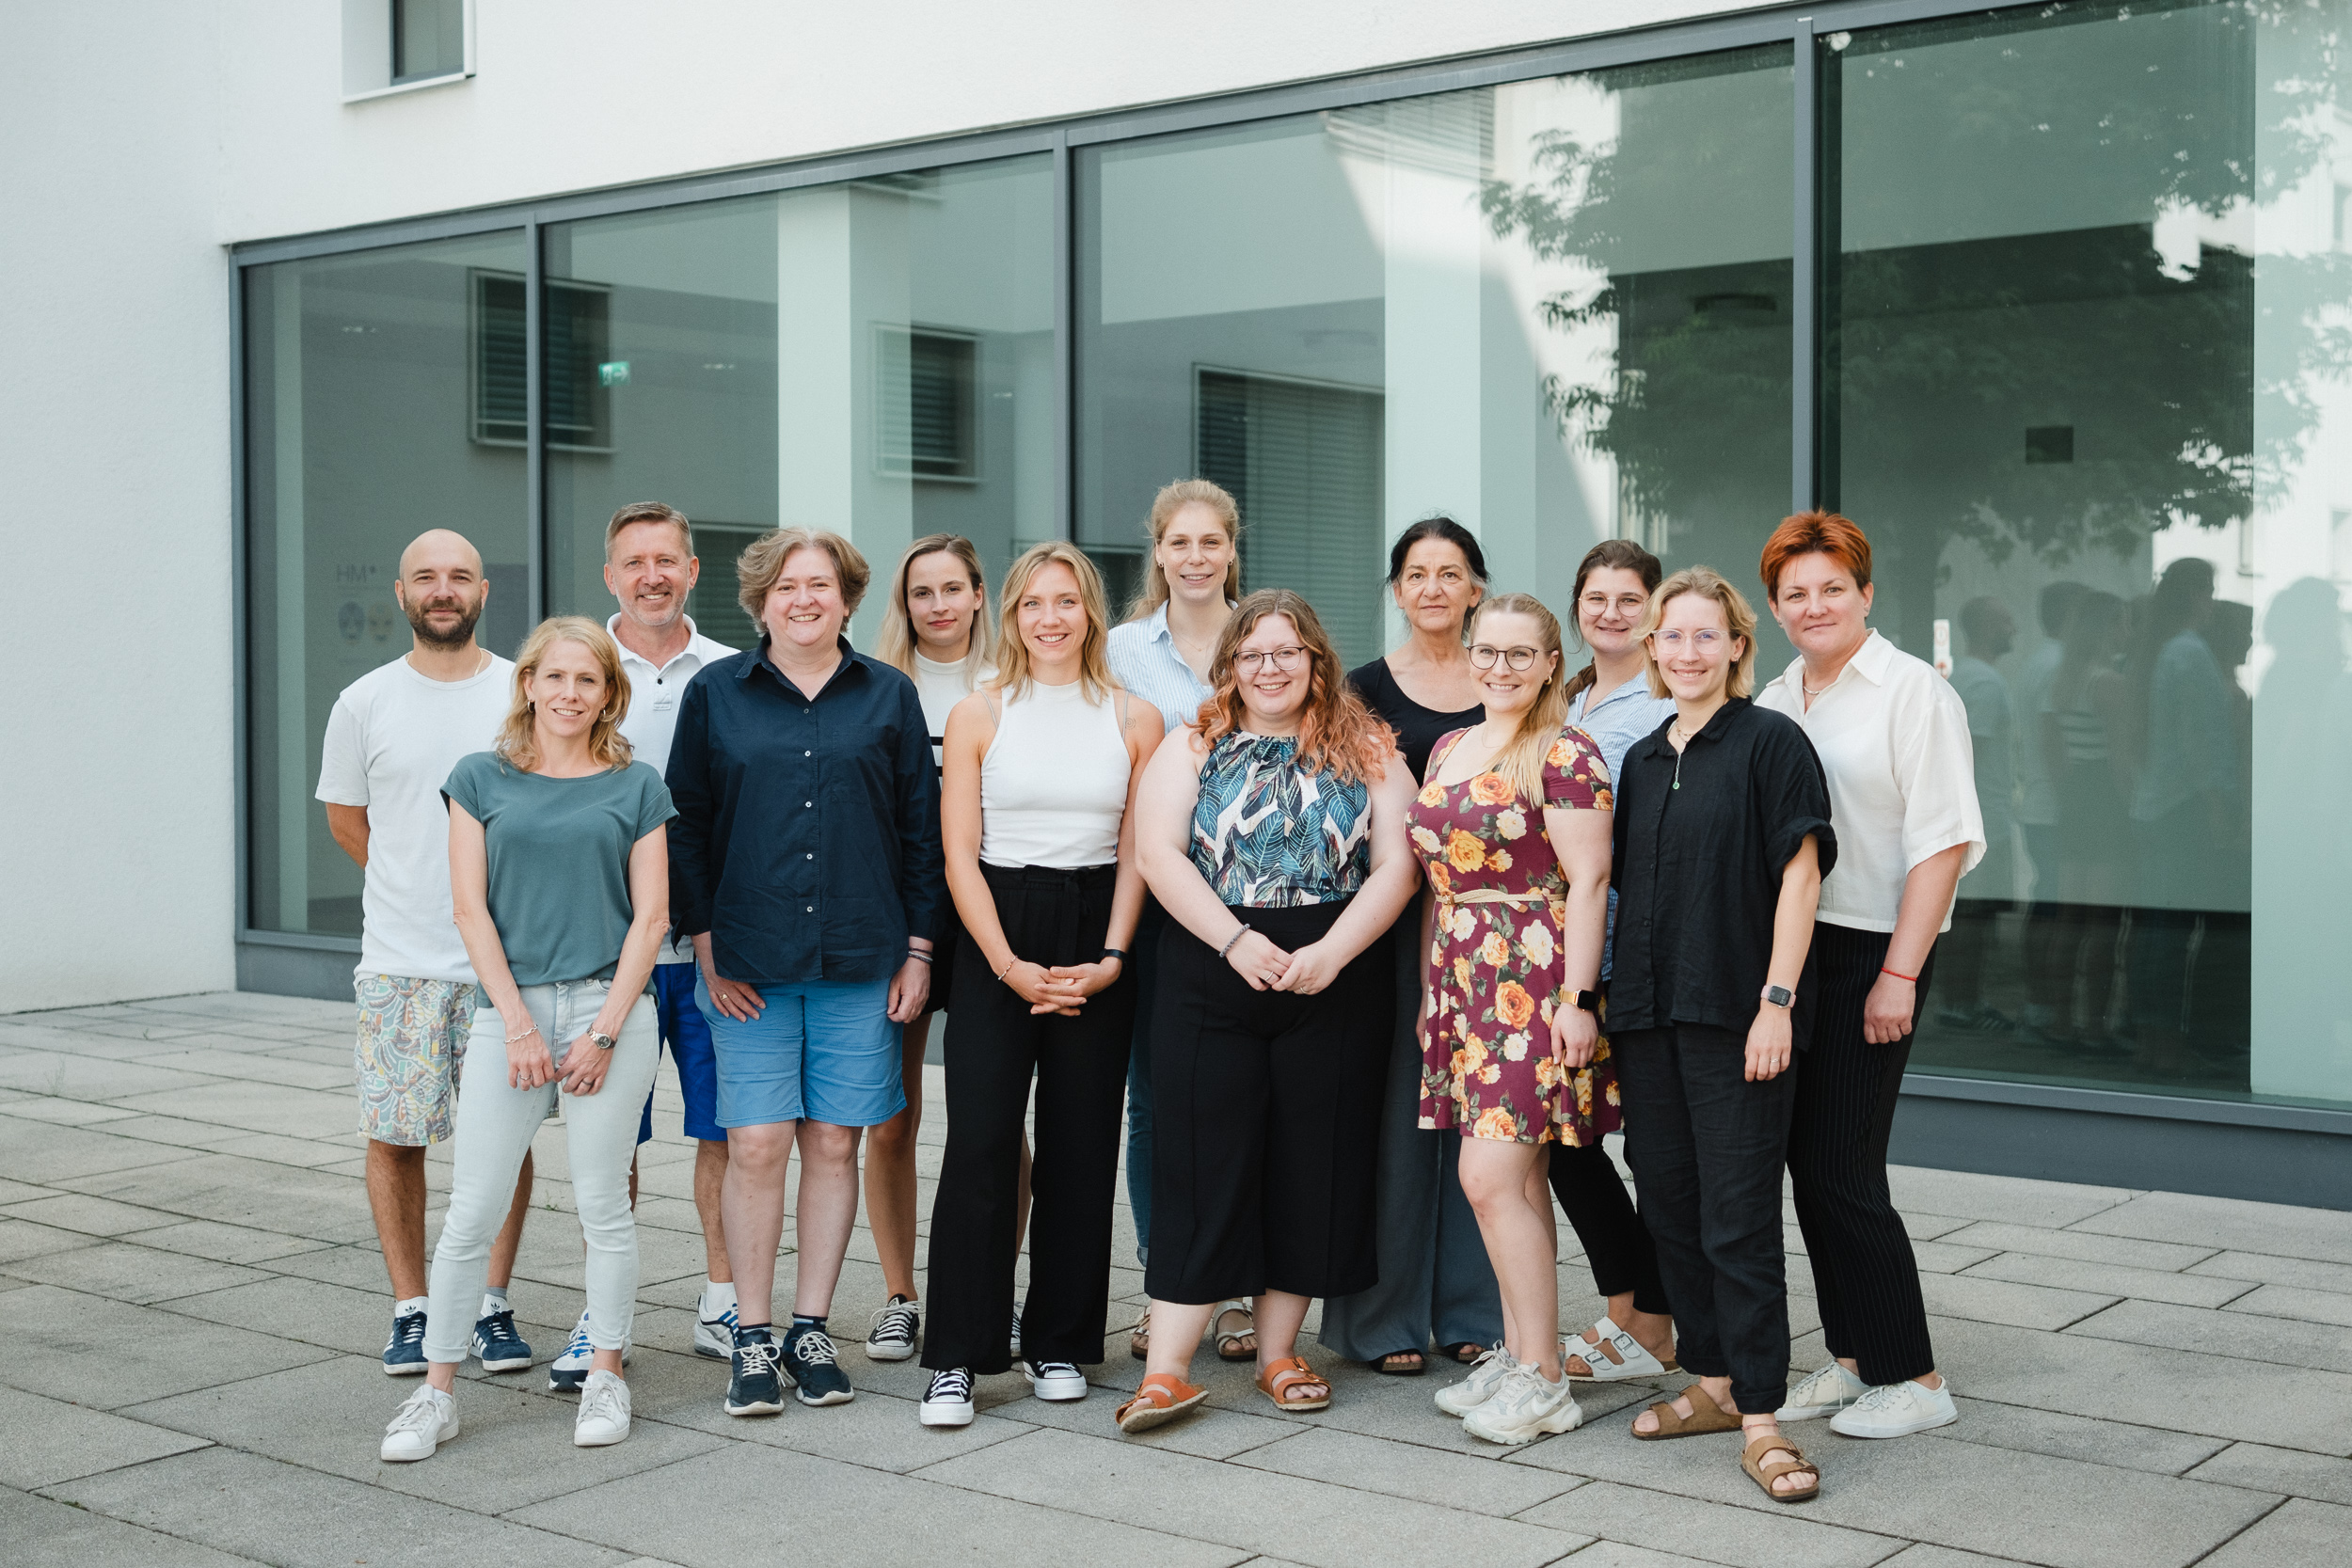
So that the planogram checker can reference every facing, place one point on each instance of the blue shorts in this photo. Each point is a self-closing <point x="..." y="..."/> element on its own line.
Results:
<point x="688" y="1038"/>
<point x="825" y="1050"/>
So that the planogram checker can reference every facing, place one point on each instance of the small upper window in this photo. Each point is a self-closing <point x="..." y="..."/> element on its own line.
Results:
<point x="428" y="39"/>
<point x="396" y="46"/>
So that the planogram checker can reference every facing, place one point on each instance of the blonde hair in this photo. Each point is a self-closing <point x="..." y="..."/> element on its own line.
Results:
<point x="1521" y="759"/>
<point x="1171" y="499"/>
<point x="1012" y="655"/>
<point x="1336" y="731"/>
<point x="762" y="562"/>
<point x="1708" y="583"/>
<point x="897" y="644"/>
<point x="518" y="742"/>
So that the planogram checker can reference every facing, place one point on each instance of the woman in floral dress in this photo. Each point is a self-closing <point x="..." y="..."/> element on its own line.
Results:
<point x="1513" y="830"/>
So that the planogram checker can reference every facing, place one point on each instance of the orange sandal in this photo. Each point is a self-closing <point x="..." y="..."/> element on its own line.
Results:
<point x="1292" y="1371"/>
<point x="1160" y="1399"/>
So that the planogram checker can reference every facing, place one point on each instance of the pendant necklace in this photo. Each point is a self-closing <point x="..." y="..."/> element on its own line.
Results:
<point x="1679" y="751"/>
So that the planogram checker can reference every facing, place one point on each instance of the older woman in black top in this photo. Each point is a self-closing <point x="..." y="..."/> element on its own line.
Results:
<point x="1723" y="837"/>
<point x="1435" y="1278"/>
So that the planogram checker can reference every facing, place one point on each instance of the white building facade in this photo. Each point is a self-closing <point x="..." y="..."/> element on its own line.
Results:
<point x="2048" y="298"/>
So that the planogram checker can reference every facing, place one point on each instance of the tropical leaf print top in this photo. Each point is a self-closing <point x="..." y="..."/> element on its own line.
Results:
<point x="1269" y="835"/>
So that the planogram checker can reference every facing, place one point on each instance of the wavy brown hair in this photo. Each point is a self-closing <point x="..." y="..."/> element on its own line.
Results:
<point x="1336" y="732"/>
<point x="518" y="742"/>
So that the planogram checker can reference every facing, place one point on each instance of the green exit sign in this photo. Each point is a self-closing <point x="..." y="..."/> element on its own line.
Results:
<point x="613" y="373"/>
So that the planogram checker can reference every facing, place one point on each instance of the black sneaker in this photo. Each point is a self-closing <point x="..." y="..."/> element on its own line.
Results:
<point x="755" y="1390"/>
<point x="500" y="1348"/>
<point x="897" y="1326"/>
<point x="809" y="1360"/>
<point x="404" y="1353"/>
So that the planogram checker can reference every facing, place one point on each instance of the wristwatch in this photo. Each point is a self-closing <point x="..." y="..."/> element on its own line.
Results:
<point x="1780" y="997"/>
<point x="602" y="1043"/>
<point x="1585" y="1001"/>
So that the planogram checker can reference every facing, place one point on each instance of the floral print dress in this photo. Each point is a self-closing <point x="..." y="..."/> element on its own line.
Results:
<point x="1495" y="972"/>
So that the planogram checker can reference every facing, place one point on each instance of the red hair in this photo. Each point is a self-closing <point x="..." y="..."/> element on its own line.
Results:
<point x="1337" y="732"/>
<point x="1816" y="533"/>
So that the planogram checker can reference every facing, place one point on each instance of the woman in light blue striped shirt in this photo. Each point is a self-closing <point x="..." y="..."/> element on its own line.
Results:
<point x="1191" y="581"/>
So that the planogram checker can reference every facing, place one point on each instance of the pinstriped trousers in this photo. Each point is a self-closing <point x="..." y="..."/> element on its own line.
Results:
<point x="1864" y="1272"/>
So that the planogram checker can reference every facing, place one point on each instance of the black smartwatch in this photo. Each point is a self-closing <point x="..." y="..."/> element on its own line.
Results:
<point x="1119" y="952"/>
<point x="1780" y="997"/>
<point x="1585" y="1001"/>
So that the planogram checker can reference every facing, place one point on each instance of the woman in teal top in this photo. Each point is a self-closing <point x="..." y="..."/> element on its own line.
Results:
<point x="1272" y="829"/>
<point x="559" y="867"/>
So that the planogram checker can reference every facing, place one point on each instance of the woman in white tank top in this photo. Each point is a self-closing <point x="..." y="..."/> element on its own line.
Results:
<point x="1040" y="766"/>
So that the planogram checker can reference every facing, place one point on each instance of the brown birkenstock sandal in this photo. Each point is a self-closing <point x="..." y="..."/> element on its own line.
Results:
<point x="1764" y="1475"/>
<point x="1278" y="1378"/>
<point x="1160" y="1399"/>
<point x="1229" y="1342"/>
<point x="1706" y="1416"/>
<point x="1140" y="1337"/>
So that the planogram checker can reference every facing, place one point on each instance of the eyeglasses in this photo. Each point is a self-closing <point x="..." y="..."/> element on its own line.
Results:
<point x="1705" y="642"/>
<point x="1285" y="659"/>
<point x="1518" y="658"/>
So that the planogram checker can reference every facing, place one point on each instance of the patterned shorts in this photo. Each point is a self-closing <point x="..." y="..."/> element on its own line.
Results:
<point x="412" y="1043"/>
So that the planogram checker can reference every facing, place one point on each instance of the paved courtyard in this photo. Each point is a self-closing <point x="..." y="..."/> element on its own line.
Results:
<point x="191" y="1309"/>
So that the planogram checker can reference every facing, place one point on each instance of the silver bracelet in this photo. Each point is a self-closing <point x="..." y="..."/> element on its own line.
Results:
<point x="518" y="1039"/>
<point x="1238" y="934"/>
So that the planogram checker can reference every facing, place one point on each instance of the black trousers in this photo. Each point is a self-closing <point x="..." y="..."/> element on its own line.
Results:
<point x="1617" y="1245"/>
<point x="995" y="1047"/>
<point x="1265" y="1121"/>
<point x="1706" y="1147"/>
<point x="1864" y="1272"/>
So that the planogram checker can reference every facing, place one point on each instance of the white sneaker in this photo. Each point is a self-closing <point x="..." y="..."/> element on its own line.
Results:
<point x="1486" y="1376"/>
<point x="1824" y="1393"/>
<point x="947" y="1403"/>
<point x="1524" y="1408"/>
<point x="427" y="1419"/>
<point x="714" y="1332"/>
<point x="603" y="1418"/>
<point x="1055" y="1380"/>
<point x="1897" y="1410"/>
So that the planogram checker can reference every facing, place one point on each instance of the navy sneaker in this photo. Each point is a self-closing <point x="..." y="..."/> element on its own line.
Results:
<point x="755" y="1390"/>
<point x="810" y="1361"/>
<point x="404" y="1353"/>
<point x="500" y="1348"/>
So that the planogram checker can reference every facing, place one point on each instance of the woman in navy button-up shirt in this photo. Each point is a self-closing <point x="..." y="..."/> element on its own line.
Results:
<point x="806" y="864"/>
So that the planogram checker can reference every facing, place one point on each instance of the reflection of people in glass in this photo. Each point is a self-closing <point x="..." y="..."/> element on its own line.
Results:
<point x="2081" y="724"/>
<point x="2037" y="802"/>
<point x="2218" y="998"/>
<point x="2180" y="708"/>
<point x="1987" y="890"/>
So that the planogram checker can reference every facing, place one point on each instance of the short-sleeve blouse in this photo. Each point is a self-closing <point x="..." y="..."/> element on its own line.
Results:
<point x="1266" y="833"/>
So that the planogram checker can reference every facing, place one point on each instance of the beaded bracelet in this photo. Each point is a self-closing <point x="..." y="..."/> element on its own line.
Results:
<point x="1239" y="932"/>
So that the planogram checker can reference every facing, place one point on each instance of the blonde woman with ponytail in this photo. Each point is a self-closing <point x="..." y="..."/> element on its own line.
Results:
<point x="1513" y="830"/>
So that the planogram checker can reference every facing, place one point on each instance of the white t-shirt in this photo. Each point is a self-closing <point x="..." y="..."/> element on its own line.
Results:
<point x="651" y="722"/>
<point x="390" y="743"/>
<point x="940" y="687"/>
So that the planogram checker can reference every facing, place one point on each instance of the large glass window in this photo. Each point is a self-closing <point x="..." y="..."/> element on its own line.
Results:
<point x="376" y="388"/>
<point x="1557" y="311"/>
<point x="874" y="358"/>
<point x="2085" y="301"/>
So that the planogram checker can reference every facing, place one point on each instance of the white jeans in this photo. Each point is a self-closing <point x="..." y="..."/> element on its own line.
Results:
<point x="495" y="1122"/>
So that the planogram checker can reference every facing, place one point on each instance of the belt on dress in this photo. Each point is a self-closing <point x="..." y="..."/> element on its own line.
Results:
<point x="1496" y="895"/>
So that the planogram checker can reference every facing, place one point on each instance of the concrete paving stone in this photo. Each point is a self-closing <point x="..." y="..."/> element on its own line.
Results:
<point x="2286" y="1300"/>
<point x="1713" y="1533"/>
<point x="513" y="1447"/>
<point x="2081" y="1245"/>
<point x="22" y="1239"/>
<point x="103" y="1353"/>
<point x="1405" y="1470"/>
<point x="2323" y="1235"/>
<point x="874" y="1431"/>
<point x="1254" y="1511"/>
<point x="2240" y="1335"/>
<point x="2262" y="1468"/>
<point x="20" y="1192"/>
<point x="91" y="1216"/>
<point x="2014" y="1199"/>
<point x="86" y="1077"/>
<point x="55" y="1156"/>
<point x="39" y="1533"/>
<point x="254" y="1067"/>
<point x="254" y="1193"/>
<point x="865" y="1518"/>
<point x="223" y="1244"/>
<point x="1213" y="1433"/>
<point x="258" y="1006"/>
<point x="1997" y="1301"/>
<point x="2302" y="1534"/>
<point x="51" y="1441"/>
<point x="300" y="1311"/>
<point x="120" y="1271"/>
<point x="303" y="1518"/>
<point x="2154" y="1450"/>
<point x="1620" y="1554"/>
<point x="63" y="1113"/>
<point x="360" y="1267"/>
<point x="310" y="1153"/>
<point x="1921" y="1554"/>
<point x="2301" y="1273"/>
<point x="2108" y="1280"/>
<point x="172" y="1131"/>
<point x="279" y="1108"/>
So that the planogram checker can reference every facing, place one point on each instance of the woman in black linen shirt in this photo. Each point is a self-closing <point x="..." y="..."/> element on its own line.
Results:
<point x="1723" y="837"/>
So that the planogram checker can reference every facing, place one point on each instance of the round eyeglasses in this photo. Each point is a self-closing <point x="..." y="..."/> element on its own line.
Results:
<point x="1284" y="660"/>
<point x="1483" y="655"/>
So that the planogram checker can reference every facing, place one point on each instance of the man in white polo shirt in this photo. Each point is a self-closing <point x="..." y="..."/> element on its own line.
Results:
<point x="650" y="567"/>
<point x="393" y="736"/>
